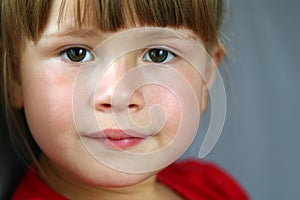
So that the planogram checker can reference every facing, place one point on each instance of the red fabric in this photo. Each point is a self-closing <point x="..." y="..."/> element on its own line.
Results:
<point x="191" y="179"/>
<point x="33" y="188"/>
<point x="201" y="181"/>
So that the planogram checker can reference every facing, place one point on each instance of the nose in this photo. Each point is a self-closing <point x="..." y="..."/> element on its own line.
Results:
<point x="115" y="91"/>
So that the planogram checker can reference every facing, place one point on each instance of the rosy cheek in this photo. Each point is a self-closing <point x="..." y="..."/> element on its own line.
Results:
<point x="169" y="102"/>
<point x="48" y="106"/>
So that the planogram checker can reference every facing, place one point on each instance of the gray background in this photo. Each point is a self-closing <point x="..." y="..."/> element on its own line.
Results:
<point x="260" y="142"/>
<point x="259" y="145"/>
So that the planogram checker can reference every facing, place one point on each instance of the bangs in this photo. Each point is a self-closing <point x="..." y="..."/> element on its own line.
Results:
<point x="203" y="17"/>
<point x="28" y="20"/>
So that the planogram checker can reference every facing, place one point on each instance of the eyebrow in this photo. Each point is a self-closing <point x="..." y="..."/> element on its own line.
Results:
<point x="174" y="36"/>
<point x="75" y="32"/>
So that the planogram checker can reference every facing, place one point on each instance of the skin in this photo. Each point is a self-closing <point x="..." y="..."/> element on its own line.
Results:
<point x="46" y="92"/>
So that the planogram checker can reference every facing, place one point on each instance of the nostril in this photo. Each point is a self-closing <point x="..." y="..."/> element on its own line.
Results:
<point x="106" y="105"/>
<point x="132" y="105"/>
<point x="103" y="107"/>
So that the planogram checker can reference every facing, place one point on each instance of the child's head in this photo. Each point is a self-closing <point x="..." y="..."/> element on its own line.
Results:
<point x="40" y="67"/>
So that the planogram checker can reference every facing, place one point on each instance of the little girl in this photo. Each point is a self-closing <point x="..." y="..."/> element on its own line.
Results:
<point x="111" y="93"/>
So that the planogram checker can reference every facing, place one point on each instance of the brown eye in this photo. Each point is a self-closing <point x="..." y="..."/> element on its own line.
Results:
<point x="158" y="56"/>
<point x="77" y="54"/>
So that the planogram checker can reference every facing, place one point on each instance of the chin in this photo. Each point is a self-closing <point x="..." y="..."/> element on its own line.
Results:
<point x="108" y="177"/>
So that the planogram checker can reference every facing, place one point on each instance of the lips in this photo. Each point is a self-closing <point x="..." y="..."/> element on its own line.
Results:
<point x="118" y="139"/>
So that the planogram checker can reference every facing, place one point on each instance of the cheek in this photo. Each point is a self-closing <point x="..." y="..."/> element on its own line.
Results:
<point x="195" y="80"/>
<point x="169" y="103"/>
<point x="174" y="104"/>
<point x="48" y="107"/>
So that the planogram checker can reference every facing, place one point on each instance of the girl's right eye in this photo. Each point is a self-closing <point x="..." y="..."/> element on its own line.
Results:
<point x="77" y="54"/>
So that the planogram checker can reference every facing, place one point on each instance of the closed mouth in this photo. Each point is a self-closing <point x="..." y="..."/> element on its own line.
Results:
<point x="118" y="139"/>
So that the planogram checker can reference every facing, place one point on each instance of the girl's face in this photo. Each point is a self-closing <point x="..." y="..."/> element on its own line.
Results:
<point x="94" y="109"/>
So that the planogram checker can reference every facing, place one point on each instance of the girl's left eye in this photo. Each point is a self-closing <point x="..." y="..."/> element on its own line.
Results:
<point x="157" y="55"/>
<point x="77" y="54"/>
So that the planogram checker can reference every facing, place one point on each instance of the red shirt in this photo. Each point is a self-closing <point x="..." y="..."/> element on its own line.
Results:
<point x="191" y="179"/>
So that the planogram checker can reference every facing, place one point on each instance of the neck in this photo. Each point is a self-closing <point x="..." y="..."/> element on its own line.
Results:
<point x="67" y="186"/>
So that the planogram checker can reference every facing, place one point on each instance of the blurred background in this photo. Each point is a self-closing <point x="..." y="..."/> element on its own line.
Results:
<point x="259" y="145"/>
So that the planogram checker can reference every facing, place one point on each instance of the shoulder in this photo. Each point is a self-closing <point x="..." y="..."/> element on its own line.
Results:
<point x="195" y="179"/>
<point x="32" y="187"/>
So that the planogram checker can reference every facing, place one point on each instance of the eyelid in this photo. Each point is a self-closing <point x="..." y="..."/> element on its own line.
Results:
<point x="63" y="49"/>
<point x="166" y="48"/>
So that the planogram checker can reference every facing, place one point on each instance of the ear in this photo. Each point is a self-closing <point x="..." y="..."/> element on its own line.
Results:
<point x="16" y="94"/>
<point x="216" y="56"/>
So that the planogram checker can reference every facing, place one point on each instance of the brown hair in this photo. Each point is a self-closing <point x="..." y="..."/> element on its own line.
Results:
<point x="23" y="20"/>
